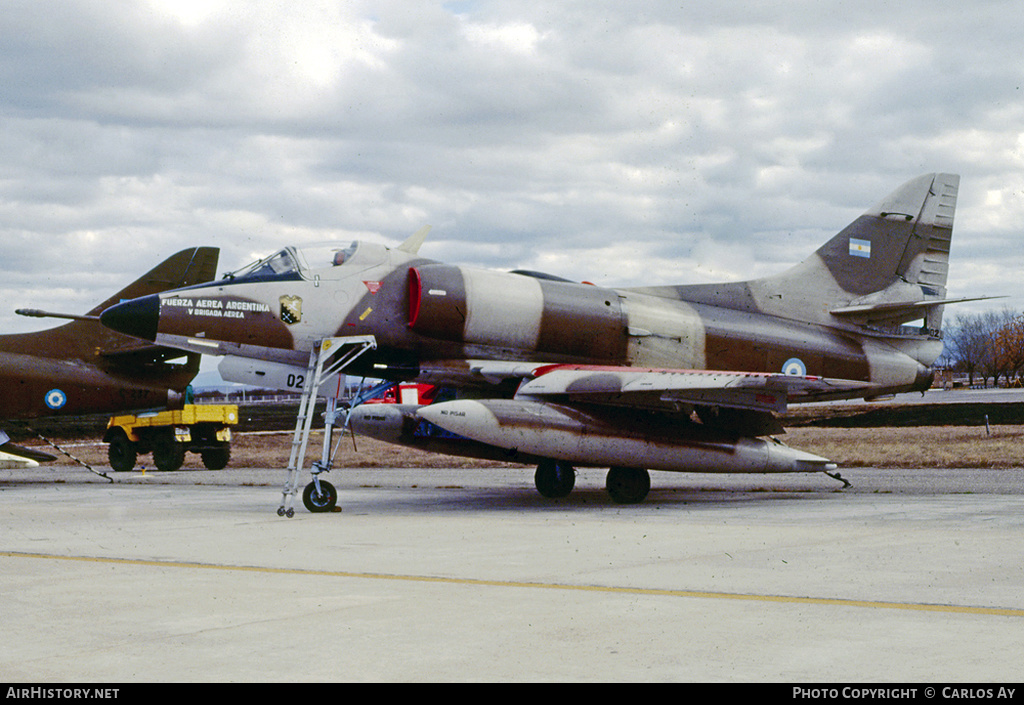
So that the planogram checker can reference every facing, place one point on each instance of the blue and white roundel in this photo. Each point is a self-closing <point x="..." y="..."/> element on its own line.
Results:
<point x="794" y="366"/>
<point x="55" y="398"/>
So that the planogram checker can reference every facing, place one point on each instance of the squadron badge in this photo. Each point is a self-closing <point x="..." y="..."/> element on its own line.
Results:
<point x="291" y="309"/>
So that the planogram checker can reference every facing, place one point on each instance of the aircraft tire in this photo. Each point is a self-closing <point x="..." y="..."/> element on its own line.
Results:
<point x="121" y="453"/>
<point x="325" y="501"/>
<point x="554" y="479"/>
<point x="628" y="485"/>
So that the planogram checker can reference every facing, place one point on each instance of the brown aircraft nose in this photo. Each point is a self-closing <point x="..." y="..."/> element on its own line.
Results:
<point x="136" y="317"/>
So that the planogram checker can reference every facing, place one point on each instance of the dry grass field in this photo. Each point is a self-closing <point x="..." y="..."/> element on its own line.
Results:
<point x="883" y="447"/>
<point x="271" y="450"/>
<point x="914" y="447"/>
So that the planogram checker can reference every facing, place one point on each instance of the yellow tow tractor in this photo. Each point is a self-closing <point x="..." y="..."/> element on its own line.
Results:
<point x="200" y="428"/>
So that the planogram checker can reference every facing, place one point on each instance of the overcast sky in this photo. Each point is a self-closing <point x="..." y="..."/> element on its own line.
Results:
<point x="622" y="143"/>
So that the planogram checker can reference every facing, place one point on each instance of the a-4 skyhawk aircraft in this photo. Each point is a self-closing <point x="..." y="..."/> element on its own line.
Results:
<point x="563" y="374"/>
<point x="82" y="367"/>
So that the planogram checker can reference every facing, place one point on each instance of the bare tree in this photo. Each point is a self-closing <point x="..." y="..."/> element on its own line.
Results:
<point x="1009" y="347"/>
<point x="964" y="344"/>
<point x="982" y="344"/>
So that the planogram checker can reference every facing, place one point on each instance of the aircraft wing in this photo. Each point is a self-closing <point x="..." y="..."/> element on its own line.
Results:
<point x="14" y="456"/>
<point x="656" y="389"/>
<point x="668" y="389"/>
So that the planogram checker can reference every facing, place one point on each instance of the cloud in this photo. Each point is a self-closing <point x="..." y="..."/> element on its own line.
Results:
<point x="622" y="144"/>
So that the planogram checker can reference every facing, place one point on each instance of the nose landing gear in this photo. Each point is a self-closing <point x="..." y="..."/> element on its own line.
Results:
<point x="320" y="499"/>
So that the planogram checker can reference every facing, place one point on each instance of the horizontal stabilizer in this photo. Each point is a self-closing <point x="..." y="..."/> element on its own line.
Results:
<point x="9" y="461"/>
<point x="897" y="311"/>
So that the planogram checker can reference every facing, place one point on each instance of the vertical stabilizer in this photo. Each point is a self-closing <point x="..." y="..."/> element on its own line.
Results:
<point x="196" y="265"/>
<point x="87" y="339"/>
<point x="881" y="268"/>
<point x="904" y="238"/>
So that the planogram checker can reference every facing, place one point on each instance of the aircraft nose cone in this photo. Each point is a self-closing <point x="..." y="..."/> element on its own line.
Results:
<point x="136" y="317"/>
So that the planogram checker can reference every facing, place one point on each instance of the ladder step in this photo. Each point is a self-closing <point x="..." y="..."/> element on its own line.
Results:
<point x="327" y="357"/>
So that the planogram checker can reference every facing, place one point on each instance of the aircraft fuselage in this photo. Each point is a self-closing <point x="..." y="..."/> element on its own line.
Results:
<point x="424" y="311"/>
<point x="36" y="386"/>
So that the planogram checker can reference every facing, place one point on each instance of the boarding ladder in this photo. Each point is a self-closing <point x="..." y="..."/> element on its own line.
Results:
<point x="328" y="357"/>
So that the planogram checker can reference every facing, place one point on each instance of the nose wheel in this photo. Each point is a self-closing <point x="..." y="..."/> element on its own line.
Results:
<point x="320" y="499"/>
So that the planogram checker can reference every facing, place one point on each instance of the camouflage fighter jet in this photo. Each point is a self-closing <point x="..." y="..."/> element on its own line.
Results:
<point x="83" y="367"/>
<point x="564" y="374"/>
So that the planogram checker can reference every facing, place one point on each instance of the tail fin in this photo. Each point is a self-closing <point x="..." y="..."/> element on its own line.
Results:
<point x="195" y="265"/>
<point x="887" y="267"/>
<point x="88" y="339"/>
<point x="904" y="238"/>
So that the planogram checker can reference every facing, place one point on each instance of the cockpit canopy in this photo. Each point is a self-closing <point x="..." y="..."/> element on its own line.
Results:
<point x="317" y="261"/>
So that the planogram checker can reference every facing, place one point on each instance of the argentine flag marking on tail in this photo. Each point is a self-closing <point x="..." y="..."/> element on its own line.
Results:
<point x="860" y="248"/>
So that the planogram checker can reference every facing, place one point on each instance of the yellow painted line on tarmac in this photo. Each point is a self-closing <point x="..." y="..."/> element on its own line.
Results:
<point x="655" y="592"/>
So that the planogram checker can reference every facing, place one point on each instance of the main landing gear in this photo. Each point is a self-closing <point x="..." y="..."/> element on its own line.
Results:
<point x="555" y="479"/>
<point x="628" y="485"/>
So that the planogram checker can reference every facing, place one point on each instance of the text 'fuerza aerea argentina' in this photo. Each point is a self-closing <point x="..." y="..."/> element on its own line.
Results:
<point x="218" y="308"/>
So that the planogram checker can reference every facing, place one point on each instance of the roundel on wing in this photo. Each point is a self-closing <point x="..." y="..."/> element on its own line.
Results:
<point x="794" y="366"/>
